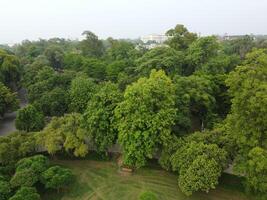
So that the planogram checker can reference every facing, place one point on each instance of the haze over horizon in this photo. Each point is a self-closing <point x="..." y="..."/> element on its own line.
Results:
<point x="31" y="19"/>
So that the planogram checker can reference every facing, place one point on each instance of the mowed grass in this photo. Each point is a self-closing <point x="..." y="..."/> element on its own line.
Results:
<point x="101" y="180"/>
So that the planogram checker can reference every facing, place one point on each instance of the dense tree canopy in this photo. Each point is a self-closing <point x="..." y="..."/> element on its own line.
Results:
<point x="247" y="121"/>
<point x="29" y="119"/>
<point x="26" y="193"/>
<point x="164" y="58"/>
<point x="57" y="177"/>
<point x="81" y="91"/>
<point x="91" y="46"/>
<point x="145" y="117"/>
<point x="180" y="38"/>
<point x="99" y="118"/>
<point x="8" y="100"/>
<point x="65" y="132"/>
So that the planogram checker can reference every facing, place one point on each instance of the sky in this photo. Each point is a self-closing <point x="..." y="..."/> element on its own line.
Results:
<point x="34" y="19"/>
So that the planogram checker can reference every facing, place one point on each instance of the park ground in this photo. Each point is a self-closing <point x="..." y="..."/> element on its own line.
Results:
<point x="102" y="180"/>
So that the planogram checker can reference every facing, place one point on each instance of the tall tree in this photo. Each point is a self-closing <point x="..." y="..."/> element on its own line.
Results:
<point x="81" y="91"/>
<point x="55" y="55"/>
<point x="91" y="46"/>
<point x="145" y="117"/>
<point x="164" y="58"/>
<point x="247" y="121"/>
<point x="180" y="38"/>
<point x="99" y="118"/>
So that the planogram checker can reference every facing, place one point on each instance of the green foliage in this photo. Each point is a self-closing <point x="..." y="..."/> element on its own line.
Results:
<point x="57" y="177"/>
<point x="240" y="46"/>
<point x="195" y="102"/>
<point x="94" y="68"/>
<point x="64" y="132"/>
<point x="8" y="100"/>
<point x="16" y="146"/>
<point x="99" y="118"/>
<point x="10" y="69"/>
<point x="148" y="196"/>
<point x="165" y="58"/>
<point x="121" y="50"/>
<point x="256" y="171"/>
<point x="188" y="152"/>
<point x="199" y="52"/>
<point x="26" y="193"/>
<point x="91" y="46"/>
<point x="54" y="102"/>
<point x="202" y="175"/>
<point x="145" y="117"/>
<point x="180" y="38"/>
<point x="38" y="164"/>
<point x="29" y="119"/>
<point x="5" y="190"/>
<point x="55" y="55"/>
<point x="25" y="178"/>
<point x="247" y="121"/>
<point x="28" y="171"/>
<point x="220" y="64"/>
<point x="81" y="91"/>
<point x="114" y="69"/>
<point x="168" y="150"/>
<point x="199" y="166"/>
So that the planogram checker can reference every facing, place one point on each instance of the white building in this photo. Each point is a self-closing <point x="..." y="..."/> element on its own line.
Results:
<point x="154" y="37"/>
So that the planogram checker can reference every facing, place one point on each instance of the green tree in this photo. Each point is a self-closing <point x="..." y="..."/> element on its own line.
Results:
<point x="99" y="118"/>
<point x="37" y="163"/>
<point x="29" y="119"/>
<point x="202" y="175"/>
<point x="164" y="58"/>
<point x="54" y="102"/>
<point x="81" y="91"/>
<point x="28" y="171"/>
<point x="145" y="117"/>
<point x="26" y="193"/>
<point x="55" y="55"/>
<point x="8" y="100"/>
<point x="5" y="189"/>
<point x="256" y="171"/>
<point x="121" y="50"/>
<point x="200" y="52"/>
<point x="91" y="46"/>
<point x="57" y="177"/>
<point x="25" y="178"/>
<point x="199" y="166"/>
<point x="15" y="146"/>
<point x="94" y="68"/>
<point x="180" y="38"/>
<point x="195" y="102"/>
<point x="65" y="132"/>
<point x="247" y="121"/>
<point x="10" y="69"/>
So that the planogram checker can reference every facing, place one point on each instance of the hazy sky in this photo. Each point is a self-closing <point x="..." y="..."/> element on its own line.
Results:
<point x="33" y="19"/>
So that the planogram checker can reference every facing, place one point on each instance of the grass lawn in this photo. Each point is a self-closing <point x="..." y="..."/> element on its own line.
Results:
<point x="101" y="180"/>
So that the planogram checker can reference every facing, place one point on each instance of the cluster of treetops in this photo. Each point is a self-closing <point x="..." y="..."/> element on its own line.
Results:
<point x="197" y="104"/>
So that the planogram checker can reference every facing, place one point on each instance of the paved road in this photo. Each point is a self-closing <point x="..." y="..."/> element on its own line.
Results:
<point x="7" y="124"/>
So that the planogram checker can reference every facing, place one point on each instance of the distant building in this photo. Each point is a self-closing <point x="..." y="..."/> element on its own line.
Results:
<point x="154" y="38"/>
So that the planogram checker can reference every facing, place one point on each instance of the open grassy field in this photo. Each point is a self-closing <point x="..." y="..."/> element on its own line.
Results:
<point x="101" y="180"/>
